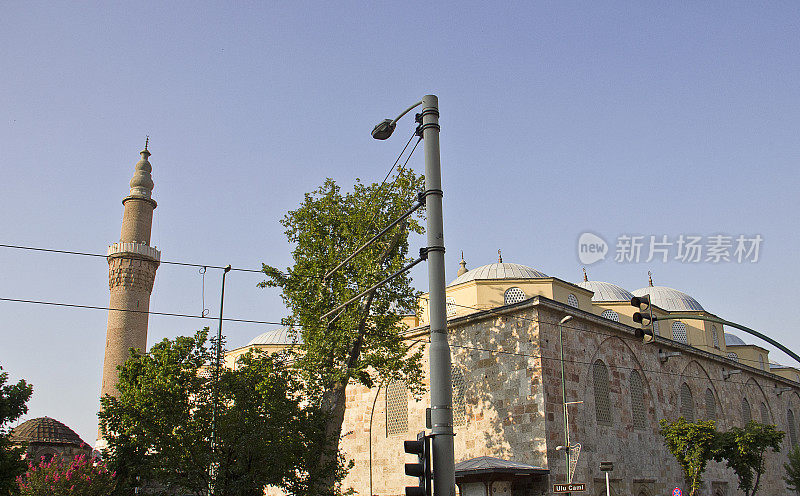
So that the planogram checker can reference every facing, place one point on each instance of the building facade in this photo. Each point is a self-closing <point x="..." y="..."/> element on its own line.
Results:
<point x="508" y="403"/>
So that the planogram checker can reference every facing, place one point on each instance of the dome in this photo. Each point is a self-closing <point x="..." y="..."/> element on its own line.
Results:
<point x="670" y="299"/>
<point x="279" y="336"/>
<point x="733" y="340"/>
<point x="499" y="270"/>
<point x="45" y="430"/>
<point x="605" y="291"/>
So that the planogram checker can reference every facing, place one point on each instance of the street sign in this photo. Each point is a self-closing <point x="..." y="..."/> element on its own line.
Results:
<point x="569" y="488"/>
<point x="677" y="492"/>
<point x="606" y="467"/>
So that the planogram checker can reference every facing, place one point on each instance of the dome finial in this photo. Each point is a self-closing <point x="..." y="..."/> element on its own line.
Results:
<point x="585" y="277"/>
<point x="463" y="264"/>
<point x="499" y="257"/>
<point x="650" y="278"/>
<point x="142" y="182"/>
<point x="146" y="142"/>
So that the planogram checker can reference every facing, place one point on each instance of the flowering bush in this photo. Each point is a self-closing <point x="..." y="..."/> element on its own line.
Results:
<point x="57" y="477"/>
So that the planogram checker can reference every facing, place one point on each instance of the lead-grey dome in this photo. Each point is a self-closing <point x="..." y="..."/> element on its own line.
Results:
<point x="500" y="270"/>
<point x="670" y="299"/>
<point x="280" y="335"/>
<point x="733" y="340"/>
<point x="606" y="291"/>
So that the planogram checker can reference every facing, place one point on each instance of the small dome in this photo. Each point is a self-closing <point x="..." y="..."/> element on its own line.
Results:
<point x="46" y="430"/>
<point x="670" y="299"/>
<point x="280" y="336"/>
<point x="142" y="182"/>
<point x="733" y="340"/>
<point x="499" y="271"/>
<point x="605" y="291"/>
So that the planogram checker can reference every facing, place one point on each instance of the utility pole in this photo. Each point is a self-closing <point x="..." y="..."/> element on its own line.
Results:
<point x="441" y="383"/>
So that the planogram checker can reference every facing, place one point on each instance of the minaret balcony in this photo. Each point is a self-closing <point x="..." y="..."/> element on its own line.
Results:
<point x="134" y="248"/>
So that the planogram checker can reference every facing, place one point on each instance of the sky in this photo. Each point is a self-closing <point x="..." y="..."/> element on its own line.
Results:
<point x="558" y="118"/>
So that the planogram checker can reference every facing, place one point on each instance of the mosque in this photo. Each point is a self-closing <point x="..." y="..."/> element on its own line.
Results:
<point x="508" y="324"/>
<point x="508" y="402"/>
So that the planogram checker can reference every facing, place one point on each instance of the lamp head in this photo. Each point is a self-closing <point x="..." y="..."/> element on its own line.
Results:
<point x="384" y="129"/>
<point x="566" y="319"/>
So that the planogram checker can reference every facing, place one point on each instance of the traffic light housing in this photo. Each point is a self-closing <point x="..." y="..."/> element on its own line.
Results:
<point x="644" y="317"/>
<point x="422" y="469"/>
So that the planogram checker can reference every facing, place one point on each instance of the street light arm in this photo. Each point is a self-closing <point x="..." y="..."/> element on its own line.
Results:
<point x="688" y="316"/>
<point x="409" y="109"/>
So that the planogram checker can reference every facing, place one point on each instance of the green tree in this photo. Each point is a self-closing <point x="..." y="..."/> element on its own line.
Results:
<point x="743" y="451"/>
<point x="158" y="429"/>
<point x="792" y="468"/>
<point x="13" y="399"/>
<point x="362" y="343"/>
<point x="692" y="444"/>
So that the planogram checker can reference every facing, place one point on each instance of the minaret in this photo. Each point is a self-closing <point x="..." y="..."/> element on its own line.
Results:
<point x="132" y="265"/>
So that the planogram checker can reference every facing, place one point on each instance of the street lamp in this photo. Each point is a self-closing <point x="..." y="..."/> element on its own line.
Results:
<point x="564" y="390"/>
<point x="441" y="382"/>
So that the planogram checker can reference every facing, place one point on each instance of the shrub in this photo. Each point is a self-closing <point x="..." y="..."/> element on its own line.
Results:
<point x="58" y="477"/>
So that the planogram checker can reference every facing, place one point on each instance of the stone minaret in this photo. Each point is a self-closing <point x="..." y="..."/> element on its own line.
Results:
<point x="132" y="265"/>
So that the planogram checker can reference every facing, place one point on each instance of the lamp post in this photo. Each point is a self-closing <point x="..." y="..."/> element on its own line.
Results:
<point x="567" y="444"/>
<point x="215" y="393"/>
<point x="441" y="382"/>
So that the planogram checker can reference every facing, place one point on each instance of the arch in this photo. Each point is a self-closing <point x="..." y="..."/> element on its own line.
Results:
<point x="638" y="410"/>
<point x="610" y="315"/>
<point x="396" y="408"/>
<point x="459" y="396"/>
<point x="679" y="332"/>
<point x="753" y="386"/>
<point x="513" y="295"/>
<point x="572" y="300"/>
<point x="687" y="403"/>
<point x="711" y="405"/>
<point x="602" y="394"/>
<point x="747" y="415"/>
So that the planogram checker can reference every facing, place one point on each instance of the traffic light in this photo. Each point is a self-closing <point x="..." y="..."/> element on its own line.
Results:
<point x="644" y="317"/>
<point x="422" y="469"/>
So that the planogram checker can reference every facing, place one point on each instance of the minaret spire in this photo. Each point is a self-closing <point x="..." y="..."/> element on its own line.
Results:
<point x="585" y="277"/>
<point x="650" y="278"/>
<point x="463" y="265"/>
<point x="499" y="257"/>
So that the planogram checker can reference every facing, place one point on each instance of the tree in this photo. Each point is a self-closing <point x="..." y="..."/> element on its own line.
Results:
<point x="743" y="451"/>
<point x="363" y="342"/>
<point x="57" y="477"/>
<point x="13" y="399"/>
<point x="792" y="468"/>
<point x="692" y="445"/>
<point x="158" y="429"/>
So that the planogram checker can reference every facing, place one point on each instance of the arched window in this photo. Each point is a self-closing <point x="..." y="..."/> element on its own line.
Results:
<point x="450" y="305"/>
<point x="764" y="414"/>
<point x="679" y="332"/>
<point x="714" y="336"/>
<point x="602" y="395"/>
<point x="396" y="408"/>
<point x="687" y="403"/>
<point x="791" y="428"/>
<point x="572" y="300"/>
<point x="711" y="405"/>
<point x="459" y="396"/>
<point x="638" y="411"/>
<point x="733" y="356"/>
<point x="746" y="415"/>
<point x="655" y="328"/>
<point x="610" y="315"/>
<point x="513" y="295"/>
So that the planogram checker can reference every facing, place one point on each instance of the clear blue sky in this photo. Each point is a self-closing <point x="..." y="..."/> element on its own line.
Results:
<point x="557" y="118"/>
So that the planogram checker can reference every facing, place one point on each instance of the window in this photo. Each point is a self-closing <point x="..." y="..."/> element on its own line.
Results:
<point x="714" y="336"/>
<point x="679" y="332"/>
<point x="450" y="304"/>
<point x="733" y="356"/>
<point x="572" y="300"/>
<point x="513" y="295"/>
<point x="764" y="413"/>
<point x="746" y="415"/>
<point x="396" y="408"/>
<point x="687" y="403"/>
<point x="711" y="405"/>
<point x="637" y="402"/>
<point x="655" y="328"/>
<point x="602" y="397"/>
<point x="610" y="315"/>
<point x="791" y="428"/>
<point x="459" y="396"/>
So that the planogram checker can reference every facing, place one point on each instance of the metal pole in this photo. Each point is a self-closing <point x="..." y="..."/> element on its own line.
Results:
<point x="608" y="486"/>
<point x="444" y="483"/>
<point x="215" y="395"/>
<point x="567" y="445"/>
